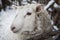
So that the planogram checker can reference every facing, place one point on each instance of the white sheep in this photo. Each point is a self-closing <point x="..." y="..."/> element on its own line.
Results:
<point x="30" y="21"/>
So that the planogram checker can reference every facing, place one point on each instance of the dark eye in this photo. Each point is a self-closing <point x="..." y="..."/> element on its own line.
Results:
<point x="38" y="15"/>
<point x="28" y="13"/>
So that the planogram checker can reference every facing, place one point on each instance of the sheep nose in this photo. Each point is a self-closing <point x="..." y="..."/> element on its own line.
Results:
<point x="12" y="28"/>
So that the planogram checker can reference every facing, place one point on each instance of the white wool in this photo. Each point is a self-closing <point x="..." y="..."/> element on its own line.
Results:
<point x="25" y="23"/>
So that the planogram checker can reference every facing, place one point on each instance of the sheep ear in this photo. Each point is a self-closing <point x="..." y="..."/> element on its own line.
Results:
<point x="38" y="8"/>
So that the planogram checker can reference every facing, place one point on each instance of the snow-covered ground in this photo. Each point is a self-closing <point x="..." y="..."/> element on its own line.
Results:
<point x="6" y="18"/>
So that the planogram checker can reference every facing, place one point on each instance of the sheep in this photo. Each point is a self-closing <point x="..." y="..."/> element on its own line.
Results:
<point x="30" y="21"/>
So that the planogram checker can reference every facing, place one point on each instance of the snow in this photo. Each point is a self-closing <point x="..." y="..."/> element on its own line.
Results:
<point x="24" y="3"/>
<point x="6" y="18"/>
<point x="34" y="2"/>
<point x="51" y="2"/>
<point x="56" y="5"/>
<point x="55" y="27"/>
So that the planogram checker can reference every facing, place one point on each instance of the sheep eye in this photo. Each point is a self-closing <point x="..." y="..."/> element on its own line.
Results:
<point x="38" y="15"/>
<point x="28" y="13"/>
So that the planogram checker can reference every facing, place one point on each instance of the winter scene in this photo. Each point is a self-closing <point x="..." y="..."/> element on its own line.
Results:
<point x="29" y="19"/>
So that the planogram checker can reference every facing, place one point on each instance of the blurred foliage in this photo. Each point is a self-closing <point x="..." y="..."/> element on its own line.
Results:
<point x="5" y="3"/>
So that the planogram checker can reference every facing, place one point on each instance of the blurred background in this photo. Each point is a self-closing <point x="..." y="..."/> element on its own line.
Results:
<point x="5" y="3"/>
<point x="7" y="14"/>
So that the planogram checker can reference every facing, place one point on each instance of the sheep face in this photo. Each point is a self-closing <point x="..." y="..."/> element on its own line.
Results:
<point x="25" y="19"/>
<point x="31" y="19"/>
